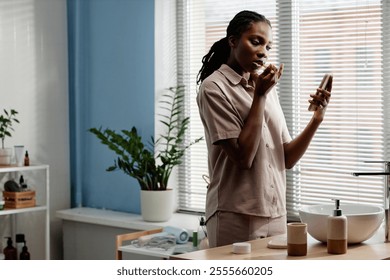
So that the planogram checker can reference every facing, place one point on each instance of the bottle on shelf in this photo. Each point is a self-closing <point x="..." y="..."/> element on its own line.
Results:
<point x="19" y="242"/>
<point x="21" y="180"/>
<point x="22" y="184"/>
<point x="10" y="251"/>
<point x="25" y="255"/>
<point x="26" y="159"/>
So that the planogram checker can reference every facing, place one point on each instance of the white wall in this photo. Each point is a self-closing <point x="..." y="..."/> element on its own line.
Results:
<point x="165" y="57"/>
<point x="34" y="81"/>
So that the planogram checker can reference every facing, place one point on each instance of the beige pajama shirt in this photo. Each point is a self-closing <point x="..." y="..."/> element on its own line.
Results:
<point x="257" y="194"/>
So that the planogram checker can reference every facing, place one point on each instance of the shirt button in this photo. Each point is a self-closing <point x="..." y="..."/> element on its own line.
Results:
<point x="269" y="165"/>
<point x="267" y="145"/>
<point x="272" y="186"/>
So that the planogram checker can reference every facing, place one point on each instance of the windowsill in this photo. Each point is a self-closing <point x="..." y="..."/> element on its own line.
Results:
<point x="125" y="220"/>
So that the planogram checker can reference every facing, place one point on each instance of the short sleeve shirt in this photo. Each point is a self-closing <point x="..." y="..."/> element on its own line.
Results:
<point x="224" y="101"/>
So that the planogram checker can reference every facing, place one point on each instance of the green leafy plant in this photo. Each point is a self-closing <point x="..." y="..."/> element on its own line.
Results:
<point x="152" y="170"/>
<point x="6" y="122"/>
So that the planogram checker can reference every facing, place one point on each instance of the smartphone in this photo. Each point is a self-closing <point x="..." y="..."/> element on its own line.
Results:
<point x="323" y="85"/>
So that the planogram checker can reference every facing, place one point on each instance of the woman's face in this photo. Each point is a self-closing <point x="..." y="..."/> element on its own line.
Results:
<point x="250" y="51"/>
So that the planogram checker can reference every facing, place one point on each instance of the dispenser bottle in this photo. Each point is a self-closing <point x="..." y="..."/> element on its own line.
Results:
<point x="10" y="251"/>
<point x="337" y="234"/>
<point x="25" y="255"/>
<point x="203" y="242"/>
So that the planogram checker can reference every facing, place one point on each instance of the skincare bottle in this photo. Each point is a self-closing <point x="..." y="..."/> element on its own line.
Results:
<point x="21" y="180"/>
<point x="26" y="159"/>
<point x="22" y="184"/>
<point x="10" y="251"/>
<point x="19" y="242"/>
<point x="25" y="255"/>
<point x="337" y="234"/>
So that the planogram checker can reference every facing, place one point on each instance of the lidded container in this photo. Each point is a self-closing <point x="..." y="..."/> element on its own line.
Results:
<point x="19" y="242"/>
<point x="337" y="231"/>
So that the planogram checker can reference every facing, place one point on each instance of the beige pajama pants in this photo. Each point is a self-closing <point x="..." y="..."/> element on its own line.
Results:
<point x="225" y="228"/>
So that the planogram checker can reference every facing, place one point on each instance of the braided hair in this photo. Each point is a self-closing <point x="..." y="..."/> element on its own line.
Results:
<point x="220" y="50"/>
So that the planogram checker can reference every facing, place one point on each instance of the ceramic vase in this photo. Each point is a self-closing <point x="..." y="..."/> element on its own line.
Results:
<point x="157" y="206"/>
<point x="5" y="156"/>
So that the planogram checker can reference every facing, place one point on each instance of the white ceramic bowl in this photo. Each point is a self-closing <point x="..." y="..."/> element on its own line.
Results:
<point x="363" y="220"/>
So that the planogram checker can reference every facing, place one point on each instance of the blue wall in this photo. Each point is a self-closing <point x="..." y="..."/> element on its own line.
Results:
<point x="111" y="84"/>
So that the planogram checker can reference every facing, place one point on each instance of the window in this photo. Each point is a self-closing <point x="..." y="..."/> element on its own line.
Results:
<point x="345" y="38"/>
<point x="311" y="38"/>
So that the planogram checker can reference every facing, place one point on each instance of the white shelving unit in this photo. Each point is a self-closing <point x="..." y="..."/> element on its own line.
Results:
<point x="42" y="193"/>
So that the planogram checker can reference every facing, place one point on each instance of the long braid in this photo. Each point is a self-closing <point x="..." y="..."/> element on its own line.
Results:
<point x="220" y="50"/>
<point x="218" y="54"/>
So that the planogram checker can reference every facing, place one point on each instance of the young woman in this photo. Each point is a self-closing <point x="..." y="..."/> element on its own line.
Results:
<point x="248" y="142"/>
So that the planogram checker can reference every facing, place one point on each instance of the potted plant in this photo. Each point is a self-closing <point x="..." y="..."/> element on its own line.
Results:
<point x="6" y="122"/>
<point x="151" y="163"/>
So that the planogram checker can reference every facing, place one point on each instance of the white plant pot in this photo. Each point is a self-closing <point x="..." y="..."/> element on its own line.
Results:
<point x="5" y="156"/>
<point x="157" y="206"/>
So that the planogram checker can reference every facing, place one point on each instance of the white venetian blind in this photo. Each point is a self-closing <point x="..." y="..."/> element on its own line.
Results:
<point x="311" y="38"/>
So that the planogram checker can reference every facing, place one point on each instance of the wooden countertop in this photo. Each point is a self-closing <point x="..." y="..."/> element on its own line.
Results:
<point x="372" y="249"/>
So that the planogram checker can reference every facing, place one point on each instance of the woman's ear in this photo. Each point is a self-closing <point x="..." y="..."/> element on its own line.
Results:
<point x="232" y="41"/>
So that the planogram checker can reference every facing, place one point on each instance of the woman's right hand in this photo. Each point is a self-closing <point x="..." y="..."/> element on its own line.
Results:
<point x="268" y="79"/>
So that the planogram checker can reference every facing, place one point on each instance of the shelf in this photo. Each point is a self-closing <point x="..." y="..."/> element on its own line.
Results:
<point x="43" y="206"/>
<point x="22" y="210"/>
<point x="13" y="168"/>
